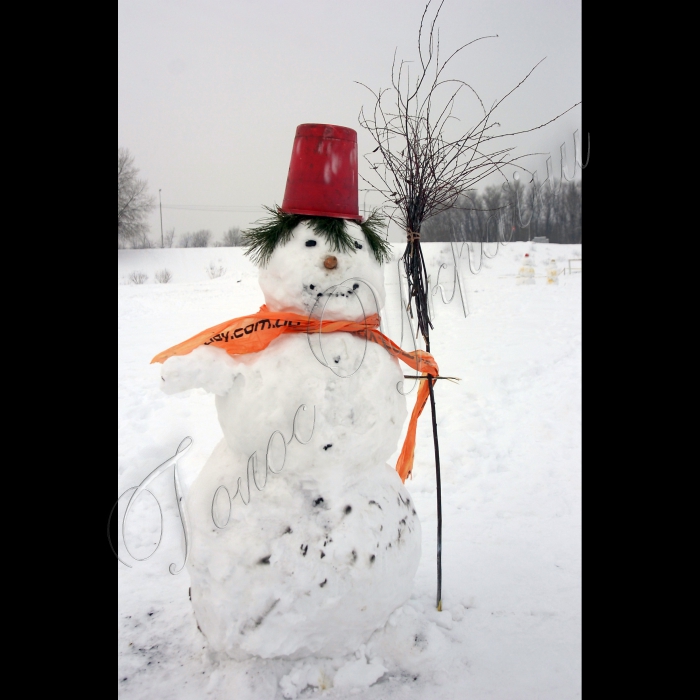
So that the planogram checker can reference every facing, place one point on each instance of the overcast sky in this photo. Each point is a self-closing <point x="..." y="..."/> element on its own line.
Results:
<point x="211" y="91"/>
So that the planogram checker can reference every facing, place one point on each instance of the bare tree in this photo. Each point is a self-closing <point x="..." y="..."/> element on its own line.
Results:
<point x="573" y="209"/>
<point x="168" y="238"/>
<point x="519" y="217"/>
<point x="198" y="239"/>
<point x="134" y="201"/>
<point x="141" y="240"/>
<point x="232" y="238"/>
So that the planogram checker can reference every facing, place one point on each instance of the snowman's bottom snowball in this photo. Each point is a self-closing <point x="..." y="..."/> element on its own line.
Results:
<point x="292" y="578"/>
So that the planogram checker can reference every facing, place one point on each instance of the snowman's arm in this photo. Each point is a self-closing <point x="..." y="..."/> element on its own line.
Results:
<point x="206" y="367"/>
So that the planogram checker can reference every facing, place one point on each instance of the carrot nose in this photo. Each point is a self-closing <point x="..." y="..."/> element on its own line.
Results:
<point x="330" y="262"/>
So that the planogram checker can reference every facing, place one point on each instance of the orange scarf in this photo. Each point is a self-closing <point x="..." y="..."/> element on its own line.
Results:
<point x="255" y="332"/>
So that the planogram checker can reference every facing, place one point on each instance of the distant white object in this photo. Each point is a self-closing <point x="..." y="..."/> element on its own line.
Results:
<point x="540" y="239"/>
<point x="526" y="273"/>
<point x="552" y="273"/>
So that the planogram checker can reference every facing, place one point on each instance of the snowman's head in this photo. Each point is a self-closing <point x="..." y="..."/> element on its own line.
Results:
<point x="319" y="265"/>
<point x="309" y="275"/>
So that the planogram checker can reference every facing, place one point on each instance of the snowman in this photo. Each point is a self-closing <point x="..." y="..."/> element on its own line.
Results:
<point x="526" y="273"/>
<point x="552" y="273"/>
<point x="303" y="540"/>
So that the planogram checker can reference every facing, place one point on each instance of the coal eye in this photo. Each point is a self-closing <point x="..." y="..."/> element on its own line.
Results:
<point x="310" y="244"/>
<point x="358" y="245"/>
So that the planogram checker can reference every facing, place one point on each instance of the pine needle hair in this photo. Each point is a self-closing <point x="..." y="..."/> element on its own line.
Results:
<point x="276" y="229"/>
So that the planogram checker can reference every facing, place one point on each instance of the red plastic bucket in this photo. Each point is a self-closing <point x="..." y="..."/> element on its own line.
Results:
<point x="322" y="179"/>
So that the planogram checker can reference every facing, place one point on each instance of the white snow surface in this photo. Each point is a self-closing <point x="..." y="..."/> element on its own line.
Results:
<point x="510" y="463"/>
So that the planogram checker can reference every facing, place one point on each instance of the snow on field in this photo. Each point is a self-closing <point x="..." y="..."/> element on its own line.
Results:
<point x="510" y="446"/>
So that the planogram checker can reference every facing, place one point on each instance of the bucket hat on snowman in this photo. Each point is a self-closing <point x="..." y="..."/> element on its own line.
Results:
<point x="321" y="189"/>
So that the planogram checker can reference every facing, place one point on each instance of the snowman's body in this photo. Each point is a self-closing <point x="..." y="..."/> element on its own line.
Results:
<point x="329" y="541"/>
<point x="526" y="273"/>
<point x="552" y="273"/>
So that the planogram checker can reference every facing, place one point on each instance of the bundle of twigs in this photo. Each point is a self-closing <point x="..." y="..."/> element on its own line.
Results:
<point x="421" y="171"/>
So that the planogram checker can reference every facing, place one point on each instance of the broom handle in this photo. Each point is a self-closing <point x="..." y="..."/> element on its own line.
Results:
<point x="438" y="489"/>
<point x="416" y="275"/>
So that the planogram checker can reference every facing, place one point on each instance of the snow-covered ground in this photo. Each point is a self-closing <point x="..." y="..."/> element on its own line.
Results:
<point x="510" y="448"/>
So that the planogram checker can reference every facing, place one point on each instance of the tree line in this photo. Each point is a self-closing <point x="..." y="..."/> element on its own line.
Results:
<point x="512" y="212"/>
<point x="191" y="239"/>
